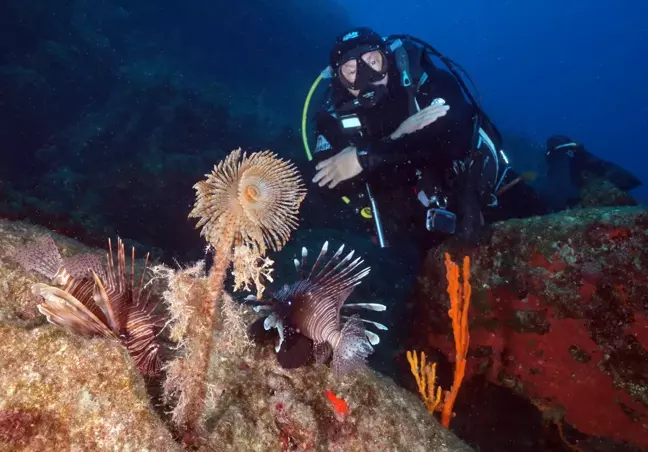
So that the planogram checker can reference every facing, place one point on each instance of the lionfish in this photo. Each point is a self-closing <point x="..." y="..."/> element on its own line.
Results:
<point x="91" y="300"/>
<point x="308" y="314"/>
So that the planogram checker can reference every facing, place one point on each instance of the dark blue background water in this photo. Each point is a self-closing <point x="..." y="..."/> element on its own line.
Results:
<point x="111" y="110"/>
<point x="543" y="67"/>
<point x="102" y="101"/>
<point x="112" y="100"/>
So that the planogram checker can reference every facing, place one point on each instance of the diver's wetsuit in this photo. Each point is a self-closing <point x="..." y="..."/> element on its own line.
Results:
<point x="426" y="159"/>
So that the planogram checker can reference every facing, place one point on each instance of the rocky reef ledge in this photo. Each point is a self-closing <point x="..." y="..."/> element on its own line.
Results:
<point x="59" y="391"/>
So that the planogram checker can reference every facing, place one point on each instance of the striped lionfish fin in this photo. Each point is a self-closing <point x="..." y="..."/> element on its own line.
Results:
<point x="42" y="256"/>
<point x="300" y="265"/>
<point x="368" y="306"/>
<point x="121" y="286"/>
<point x="83" y="265"/>
<point x="104" y="302"/>
<point x="142" y="327"/>
<point x="62" y="308"/>
<point x="338" y="277"/>
<point x="352" y="349"/>
<point x="329" y="284"/>
<point x="132" y="312"/>
<point x="318" y="261"/>
<point x="374" y="339"/>
<point x="378" y="325"/>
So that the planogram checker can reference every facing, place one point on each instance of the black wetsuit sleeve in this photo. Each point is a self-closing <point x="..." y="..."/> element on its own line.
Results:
<point x="332" y="207"/>
<point x="447" y="139"/>
<point x="329" y="136"/>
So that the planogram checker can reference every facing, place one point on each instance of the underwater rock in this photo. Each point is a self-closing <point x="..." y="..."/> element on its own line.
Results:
<point x="62" y="392"/>
<point x="252" y="403"/>
<point x="598" y="191"/>
<point x="559" y="315"/>
<point x="256" y="405"/>
<point x="87" y="93"/>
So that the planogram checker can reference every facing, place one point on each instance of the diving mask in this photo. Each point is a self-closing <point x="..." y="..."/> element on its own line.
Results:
<point x="370" y="67"/>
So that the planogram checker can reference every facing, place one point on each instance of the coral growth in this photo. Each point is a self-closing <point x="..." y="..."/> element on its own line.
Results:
<point x="251" y="270"/>
<point x="425" y="374"/>
<point x="459" y="304"/>
<point x="559" y="316"/>
<point x="91" y="397"/>
<point x="184" y="384"/>
<point x="246" y="201"/>
<point x="263" y="407"/>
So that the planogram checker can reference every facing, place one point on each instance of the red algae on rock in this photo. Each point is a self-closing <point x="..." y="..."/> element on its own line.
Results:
<point x="559" y="317"/>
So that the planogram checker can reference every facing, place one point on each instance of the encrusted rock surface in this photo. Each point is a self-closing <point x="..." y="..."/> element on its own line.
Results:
<point x="59" y="391"/>
<point x="559" y="315"/>
<point x="62" y="392"/>
<point x="261" y="407"/>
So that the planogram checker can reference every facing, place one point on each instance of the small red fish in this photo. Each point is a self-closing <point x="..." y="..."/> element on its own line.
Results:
<point x="339" y="405"/>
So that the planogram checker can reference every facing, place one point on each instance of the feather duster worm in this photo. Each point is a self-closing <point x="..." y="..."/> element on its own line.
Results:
<point x="92" y="300"/>
<point x="250" y="201"/>
<point x="246" y="205"/>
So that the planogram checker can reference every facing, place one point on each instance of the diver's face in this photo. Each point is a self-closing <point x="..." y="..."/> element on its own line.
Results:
<point x="349" y="70"/>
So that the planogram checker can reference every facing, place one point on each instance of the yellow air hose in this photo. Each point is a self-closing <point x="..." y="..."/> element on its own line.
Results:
<point x="305" y="116"/>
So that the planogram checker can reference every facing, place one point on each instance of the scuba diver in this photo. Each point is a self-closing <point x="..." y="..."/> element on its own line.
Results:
<point x="568" y="164"/>
<point x="403" y="141"/>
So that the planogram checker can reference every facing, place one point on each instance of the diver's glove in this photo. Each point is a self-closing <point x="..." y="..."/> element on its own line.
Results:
<point x="340" y="167"/>
<point x="422" y="118"/>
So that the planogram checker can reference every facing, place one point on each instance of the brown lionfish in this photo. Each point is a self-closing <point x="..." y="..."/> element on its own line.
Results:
<point x="92" y="300"/>
<point x="308" y="314"/>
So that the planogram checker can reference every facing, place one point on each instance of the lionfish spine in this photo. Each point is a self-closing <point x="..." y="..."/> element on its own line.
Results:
<point x="328" y="286"/>
<point x="94" y="300"/>
<point x="319" y="259"/>
<point x="378" y="325"/>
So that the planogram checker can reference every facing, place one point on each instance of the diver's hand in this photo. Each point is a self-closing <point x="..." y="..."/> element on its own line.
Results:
<point x="342" y="166"/>
<point x="421" y="119"/>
